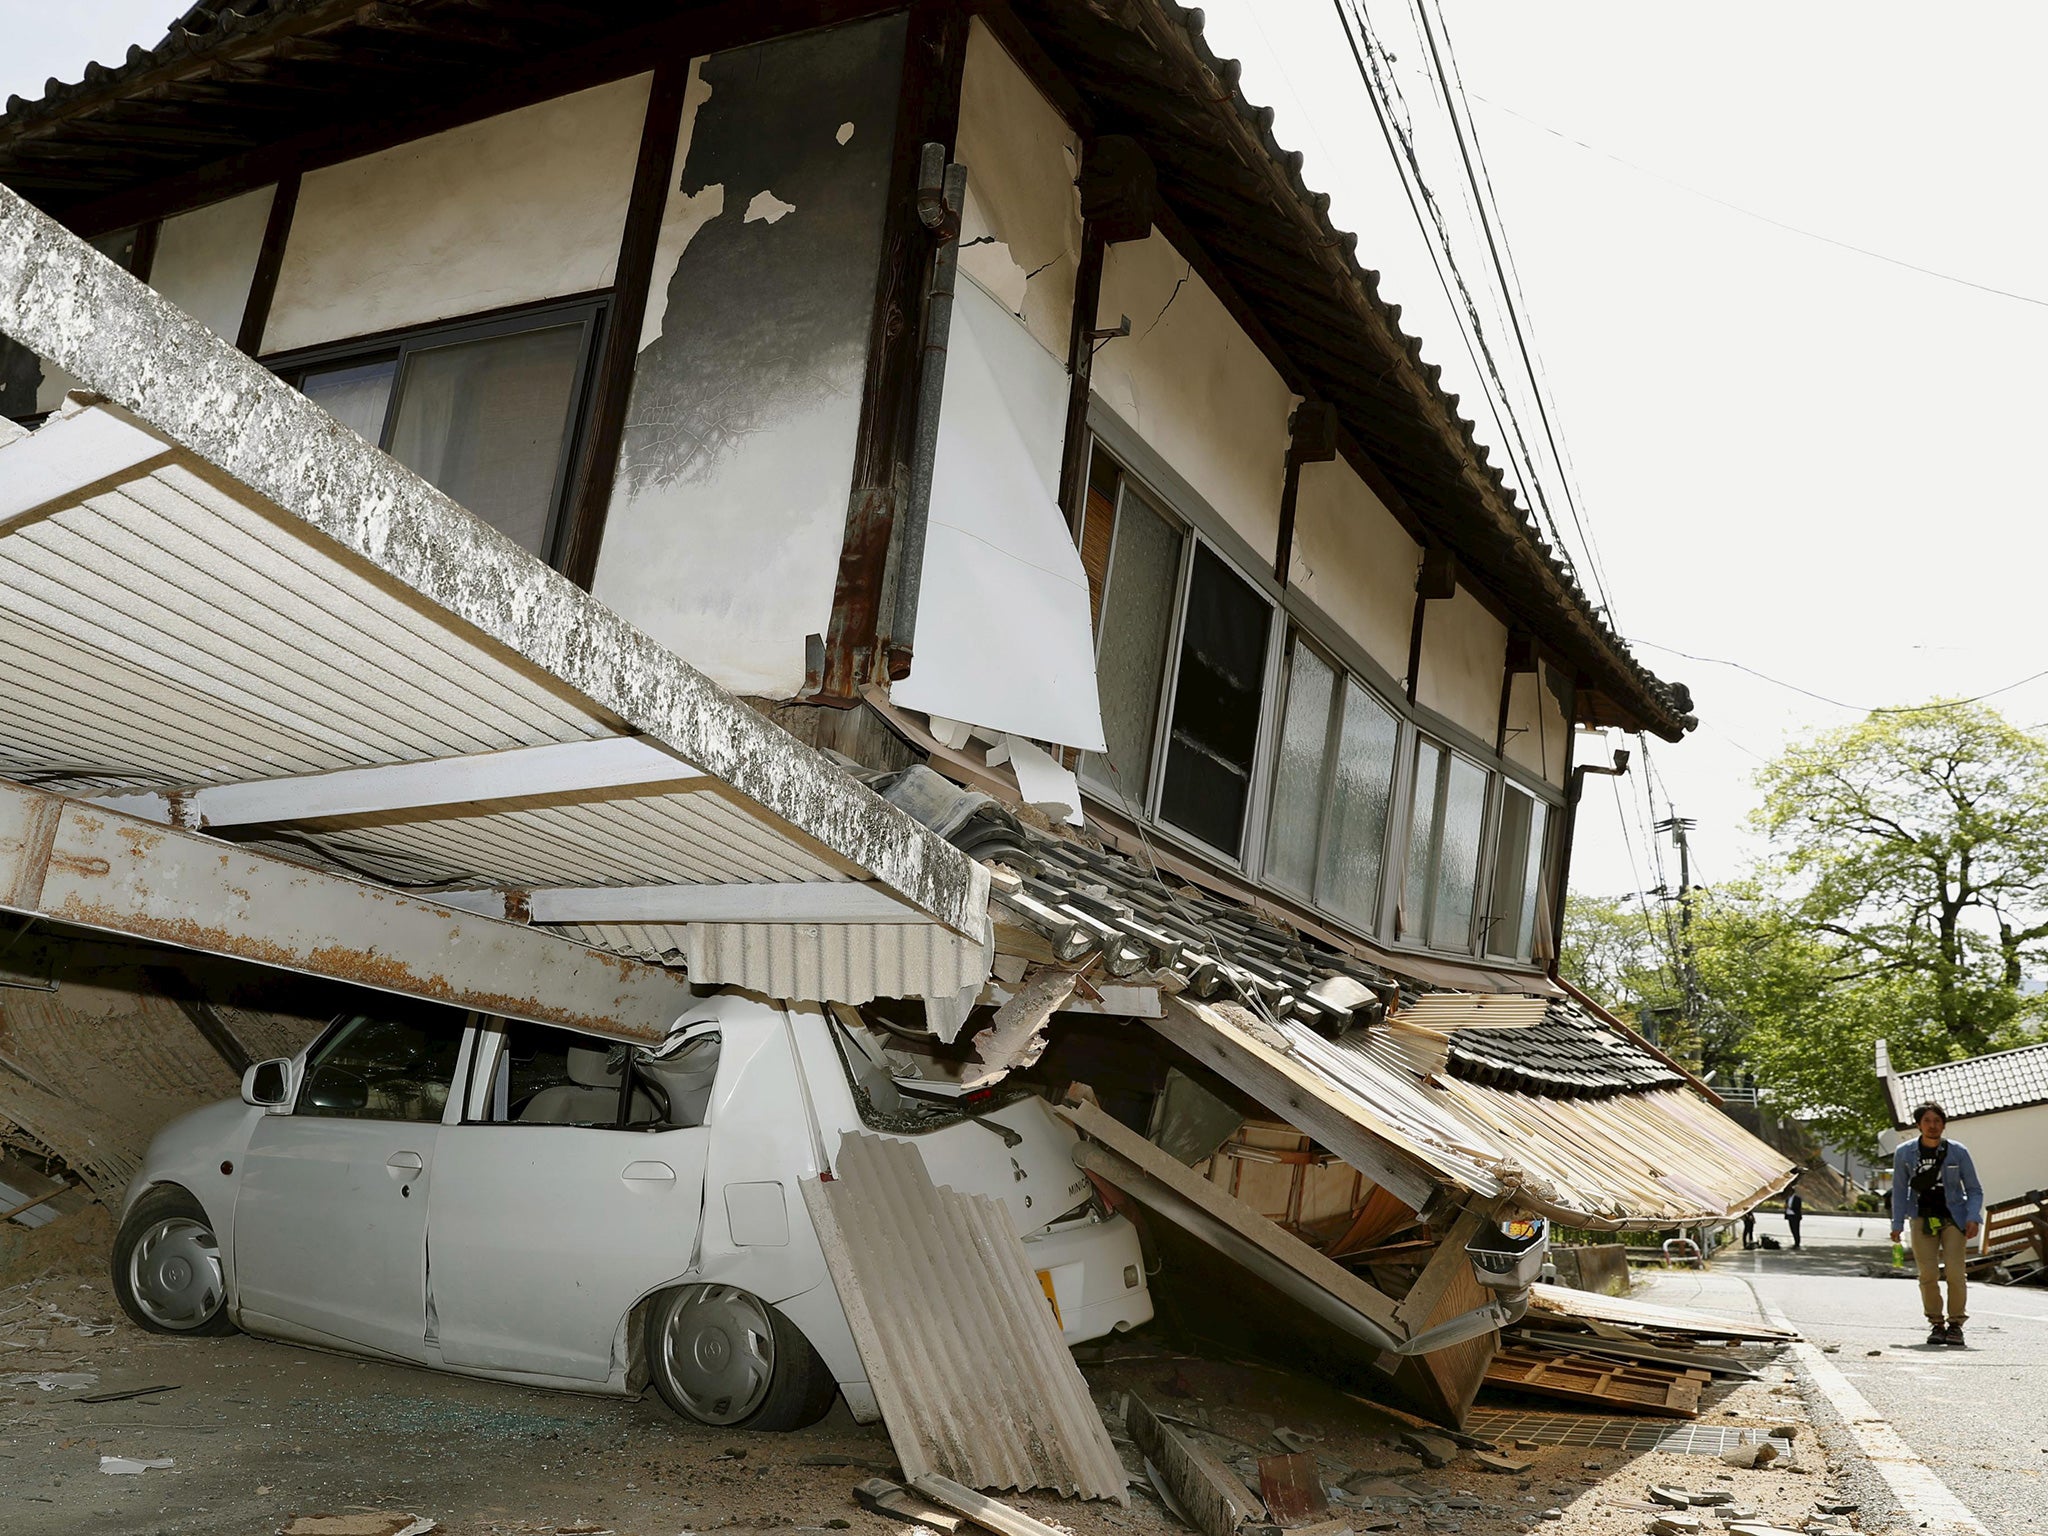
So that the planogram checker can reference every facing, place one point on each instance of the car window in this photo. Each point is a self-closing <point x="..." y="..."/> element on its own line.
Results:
<point x="547" y="1076"/>
<point x="389" y="1065"/>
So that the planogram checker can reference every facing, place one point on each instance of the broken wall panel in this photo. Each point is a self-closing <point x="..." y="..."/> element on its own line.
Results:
<point x="1021" y="231"/>
<point x="524" y="206"/>
<point x="1004" y="638"/>
<point x="206" y="259"/>
<point x="1537" y="729"/>
<point x="723" y="536"/>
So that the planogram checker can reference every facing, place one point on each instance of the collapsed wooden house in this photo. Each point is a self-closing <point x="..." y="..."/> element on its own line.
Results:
<point x="619" y="367"/>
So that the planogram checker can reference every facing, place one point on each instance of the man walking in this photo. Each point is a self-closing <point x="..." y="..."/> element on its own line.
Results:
<point x="1935" y="1192"/>
<point x="1795" y="1213"/>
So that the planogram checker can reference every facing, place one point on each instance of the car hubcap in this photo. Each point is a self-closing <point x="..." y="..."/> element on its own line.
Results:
<point x="174" y="1273"/>
<point x="719" y="1351"/>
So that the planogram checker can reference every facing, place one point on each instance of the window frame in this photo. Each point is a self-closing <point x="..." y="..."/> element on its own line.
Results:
<point x="1296" y="617"/>
<point x="594" y="311"/>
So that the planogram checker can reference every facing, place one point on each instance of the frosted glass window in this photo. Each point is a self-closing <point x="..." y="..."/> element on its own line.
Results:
<point x="1517" y="875"/>
<point x="355" y="395"/>
<point x="1457" y="862"/>
<point x="1216" y="703"/>
<point x="1360" y="787"/>
<point x="487" y="422"/>
<point x="1137" y="612"/>
<point x="1422" y="835"/>
<point x="1296" y="816"/>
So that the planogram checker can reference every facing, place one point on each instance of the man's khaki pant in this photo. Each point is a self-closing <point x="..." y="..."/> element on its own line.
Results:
<point x="1947" y="1246"/>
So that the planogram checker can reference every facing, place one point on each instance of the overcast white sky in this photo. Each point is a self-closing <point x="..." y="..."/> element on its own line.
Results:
<point x="1790" y="456"/>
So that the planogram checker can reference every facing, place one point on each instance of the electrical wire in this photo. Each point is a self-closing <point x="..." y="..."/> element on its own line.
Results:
<point x="1383" y="91"/>
<point x="1878" y="709"/>
<point x="1765" y="218"/>
<point x="1481" y="182"/>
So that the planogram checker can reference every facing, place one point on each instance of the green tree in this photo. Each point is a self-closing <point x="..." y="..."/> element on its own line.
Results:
<point x="1613" y="953"/>
<point x="1914" y="845"/>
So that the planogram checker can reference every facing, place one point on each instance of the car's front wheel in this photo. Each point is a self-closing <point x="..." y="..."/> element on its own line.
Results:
<point x="167" y="1270"/>
<point x="723" y="1356"/>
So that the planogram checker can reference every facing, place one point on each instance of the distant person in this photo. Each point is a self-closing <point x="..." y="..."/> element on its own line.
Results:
<point x="1795" y="1213"/>
<point x="1935" y="1192"/>
<point x="1749" y="1228"/>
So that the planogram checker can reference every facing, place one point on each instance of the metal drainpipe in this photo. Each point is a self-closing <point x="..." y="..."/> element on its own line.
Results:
<point x="939" y="203"/>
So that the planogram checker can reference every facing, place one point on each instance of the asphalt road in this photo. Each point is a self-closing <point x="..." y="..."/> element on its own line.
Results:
<point x="1979" y="1416"/>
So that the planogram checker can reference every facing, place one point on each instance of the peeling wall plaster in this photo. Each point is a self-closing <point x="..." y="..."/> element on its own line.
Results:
<point x="1536" y="728"/>
<point x="722" y="541"/>
<point x="524" y="206"/>
<point x="684" y="214"/>
<point x="1021" y="229"/>
<point x="1194" y="386"/>
<point x="1353" y="561"/>
<point x="767" y="208"/>
<point x="206" y="259"/>
<point x="1464" y="651"/>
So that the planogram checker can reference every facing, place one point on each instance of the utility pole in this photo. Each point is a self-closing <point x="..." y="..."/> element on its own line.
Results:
<point x="1688" y="977"/>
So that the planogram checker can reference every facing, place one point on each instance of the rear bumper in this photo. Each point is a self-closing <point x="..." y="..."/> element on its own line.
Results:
<point x="1096" y="1271"/>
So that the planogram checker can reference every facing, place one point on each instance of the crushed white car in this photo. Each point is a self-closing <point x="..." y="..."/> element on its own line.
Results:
<point x="525" y="1203"/>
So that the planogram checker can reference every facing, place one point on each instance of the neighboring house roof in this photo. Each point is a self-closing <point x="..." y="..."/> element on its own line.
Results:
<point x="1980" y="1085"/>
<point x="239" y="92"/>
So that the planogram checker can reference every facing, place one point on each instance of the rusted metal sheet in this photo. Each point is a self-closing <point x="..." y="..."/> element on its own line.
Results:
<point x="960" y="1345"/>
<point x="76" y="863"/>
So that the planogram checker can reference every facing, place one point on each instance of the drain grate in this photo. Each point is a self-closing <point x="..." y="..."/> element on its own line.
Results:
<point x="1505" y="1425"/>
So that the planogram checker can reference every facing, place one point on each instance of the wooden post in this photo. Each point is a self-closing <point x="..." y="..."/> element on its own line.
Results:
<point x="277" y="230"/>
<point x="597" y="463"/>
<point x="935" y="54"/>
<point x="1080" y="371"/>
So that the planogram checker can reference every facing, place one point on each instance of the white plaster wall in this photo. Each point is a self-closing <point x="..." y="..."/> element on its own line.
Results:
<point x="1355" y="562"/>
<point x="1536" y="728"/>
<point x="1464" y="650"/>
<point x="206" y="259"/>
<point x="2009" y="1148"/>
<point x="524" y="206"/>
<point x="1194" y="386"/>
<point x="1021" y="160"/>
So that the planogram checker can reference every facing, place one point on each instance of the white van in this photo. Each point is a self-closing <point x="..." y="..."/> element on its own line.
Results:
<point x="529" y="1204"/>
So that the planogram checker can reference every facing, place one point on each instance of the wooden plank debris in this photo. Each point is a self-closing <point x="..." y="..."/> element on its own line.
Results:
<point x="1605" y="1346"/>
<point x="1214" y="1501"/>
<point x="980" y="1508"/>
<point x="882" y="1497"/>
<point x="1603" y="1383"/>
<point x="954" y="1331"/>
<point x="1562" y="1301"/>
<point x="1348" y="1288"/>
<point x="1293" y="1488"/>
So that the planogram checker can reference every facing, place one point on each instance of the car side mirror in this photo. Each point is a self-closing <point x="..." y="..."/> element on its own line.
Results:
<point x="268" y="1084"/>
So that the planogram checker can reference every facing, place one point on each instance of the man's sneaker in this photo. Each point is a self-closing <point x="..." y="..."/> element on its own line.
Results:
<point x="1938" y="1334"/>
<point x="1952" y="1336"/>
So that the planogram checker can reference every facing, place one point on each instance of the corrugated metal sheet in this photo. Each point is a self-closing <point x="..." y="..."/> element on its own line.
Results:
<point x="1980" y="1085"/>
<point x="959" y="1341"/>
<point x="243" y="591"/>
<point x="1641" y="1159"/>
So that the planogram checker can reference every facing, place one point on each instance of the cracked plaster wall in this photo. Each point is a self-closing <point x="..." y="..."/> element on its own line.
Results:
<point x="1194" y="386"/>
<point x="1021" y="230"/>
<point x="1536" y="728"/>
<point x="727" y="516"/>
<point x="1355" y="562"/>
<point x="524" y="206"/>
<point x="1464" y="650"/>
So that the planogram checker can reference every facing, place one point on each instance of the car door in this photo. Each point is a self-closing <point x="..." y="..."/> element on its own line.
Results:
<point x="554" y="1207"/>
<point x="331" y="1213"/>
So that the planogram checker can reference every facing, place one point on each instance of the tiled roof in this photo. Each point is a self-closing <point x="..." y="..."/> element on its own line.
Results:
<point x="1085" y="899"/>
<point x="1982" y="1084"/>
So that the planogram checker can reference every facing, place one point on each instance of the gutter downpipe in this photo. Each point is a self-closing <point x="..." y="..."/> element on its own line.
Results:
<point x="941" y="197"/>
<point x="1575" y="790"/>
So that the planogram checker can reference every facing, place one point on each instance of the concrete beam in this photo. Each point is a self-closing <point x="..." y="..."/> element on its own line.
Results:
<point x="557" y="768"/>
<point x="77" y="863"/>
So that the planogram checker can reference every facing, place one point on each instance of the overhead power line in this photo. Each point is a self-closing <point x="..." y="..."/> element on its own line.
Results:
<point x="1861" y="709"/>
<point x="1765" y="218"/>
